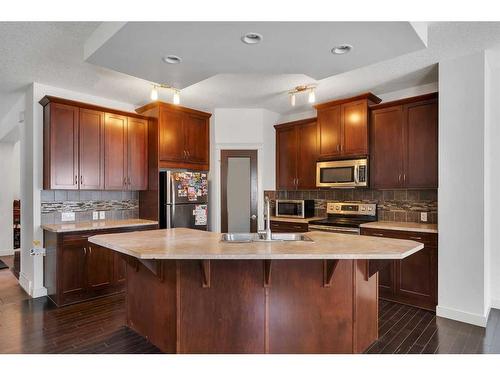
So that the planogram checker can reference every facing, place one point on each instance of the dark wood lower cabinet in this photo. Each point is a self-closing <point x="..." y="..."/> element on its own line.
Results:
<point x="76" y="270"/>
<point x="412" y="280"/>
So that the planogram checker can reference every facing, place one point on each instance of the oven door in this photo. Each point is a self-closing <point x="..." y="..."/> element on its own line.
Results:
<point x="341" y="173"/>
<point x="333" y="229"/>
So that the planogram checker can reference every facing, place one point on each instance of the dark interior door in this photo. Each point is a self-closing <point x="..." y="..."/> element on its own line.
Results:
<point x="239" y="190"/>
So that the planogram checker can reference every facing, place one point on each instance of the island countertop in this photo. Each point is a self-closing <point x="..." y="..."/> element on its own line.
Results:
<point x="184" y="243"/>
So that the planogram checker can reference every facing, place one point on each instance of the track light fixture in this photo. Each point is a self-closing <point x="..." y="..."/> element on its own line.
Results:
<point x="156" y="87"/>
<point x="302" y="89"/>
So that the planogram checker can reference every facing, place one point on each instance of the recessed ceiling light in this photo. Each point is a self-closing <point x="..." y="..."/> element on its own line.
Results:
<point x="172" y="59"/>
<point x="341" y="49"/>
<point x="251" y="38"/>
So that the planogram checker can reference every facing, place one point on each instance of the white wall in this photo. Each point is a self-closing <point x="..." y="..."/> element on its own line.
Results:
<point x="492" y="151"/>
<point x="461" y="211"/>
<point x="9" y="190"/>
<point x="242" y="128"/>
<point x="31" y="275"/>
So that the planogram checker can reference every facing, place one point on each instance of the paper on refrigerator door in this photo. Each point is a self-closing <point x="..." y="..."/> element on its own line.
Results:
<point x="200" y="214"/>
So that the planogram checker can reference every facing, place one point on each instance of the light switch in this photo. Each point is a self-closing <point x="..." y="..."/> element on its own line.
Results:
<point x="95" y="215"/>
<point x="102" y="215"/>
<point x="423" y="216"/>
<point x="67" y="216"/>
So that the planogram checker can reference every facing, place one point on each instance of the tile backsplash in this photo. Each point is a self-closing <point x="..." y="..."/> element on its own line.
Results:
<point x="117" y="204"/>
<point x="392" y="205"/>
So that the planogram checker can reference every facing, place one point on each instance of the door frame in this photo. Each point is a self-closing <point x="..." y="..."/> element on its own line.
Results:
<point x="224" y="156"/>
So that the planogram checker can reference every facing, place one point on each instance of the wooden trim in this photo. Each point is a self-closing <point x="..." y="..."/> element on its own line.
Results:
<point x="412" y="99"/>
<point x="225" y="155"/>
<point x="366" y="96"/>
<point x="295" y="123"/>
<point x="54" y="99"/>
<point x="174" y="107"/>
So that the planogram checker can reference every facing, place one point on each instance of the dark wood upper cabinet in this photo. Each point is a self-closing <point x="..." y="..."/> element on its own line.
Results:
<point x="89" y="147"/>
<point x="386" y="148"/>
<point x="137" y="152"/>
<point x="404" y="143"/>
<point x="343" y="126"/>
<point x="329" y="131"/>
<point x="60" y="146"/>
<point x="421" y="128"/>
<point x="184" y="140"/>
<point x="115" y="152"/>
<point x="296" y="154"/>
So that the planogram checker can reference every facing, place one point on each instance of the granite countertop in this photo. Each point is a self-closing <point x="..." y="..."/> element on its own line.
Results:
<point x="402" y="226"/>
<point x="183" y="243"/>
<point x="96" y="225"/>
<point x="296" y="220"/>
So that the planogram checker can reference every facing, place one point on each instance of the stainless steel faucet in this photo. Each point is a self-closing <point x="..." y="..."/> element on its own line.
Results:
<point x="268" y="218"/>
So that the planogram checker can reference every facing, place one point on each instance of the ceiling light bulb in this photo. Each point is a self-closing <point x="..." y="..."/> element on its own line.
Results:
<point x="154" y="93"/>
<point x="177" y="97"/>
<point x="292" y="100"/>
<point x="312" y="96"/>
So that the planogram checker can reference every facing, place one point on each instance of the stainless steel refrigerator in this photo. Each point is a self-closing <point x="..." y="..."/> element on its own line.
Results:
<point x="183" y="199"/>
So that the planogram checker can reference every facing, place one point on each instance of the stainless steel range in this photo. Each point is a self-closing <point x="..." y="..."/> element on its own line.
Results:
<point x="344" y="217"/>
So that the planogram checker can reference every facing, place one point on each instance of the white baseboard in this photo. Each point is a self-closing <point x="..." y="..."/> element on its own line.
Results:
<point x="4" y="253"/>
<point x="495" y="303"/>
<point x="26" y="284"/>
<point x="463" y="316"/>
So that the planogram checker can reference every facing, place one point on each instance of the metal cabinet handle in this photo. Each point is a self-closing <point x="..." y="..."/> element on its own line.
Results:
<point x="338" y="147"/>
<point x="415" y="238"/>
<point x="253" y="217"/>
<point x="90" y="250"/>
<point x="85" y="250"/>
<point x="399" y="177"/>
<point x="378" y="234"/>
<point x="188" y="153"/>
<point x="404" y="177"/>
<point x="76" y="180"/>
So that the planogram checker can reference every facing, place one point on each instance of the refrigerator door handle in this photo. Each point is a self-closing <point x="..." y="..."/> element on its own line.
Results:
<point x="168" y="215"/>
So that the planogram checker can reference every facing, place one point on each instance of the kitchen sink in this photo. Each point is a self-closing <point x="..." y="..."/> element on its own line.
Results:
<point x="261" y="237"/>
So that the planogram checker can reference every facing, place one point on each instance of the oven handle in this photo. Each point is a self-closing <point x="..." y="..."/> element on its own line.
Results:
<point x="326" y="228"/>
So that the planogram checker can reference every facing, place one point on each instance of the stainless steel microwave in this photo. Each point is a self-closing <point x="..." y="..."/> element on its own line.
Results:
<point x="300" y="208"/>
<point x="342" y="173"/>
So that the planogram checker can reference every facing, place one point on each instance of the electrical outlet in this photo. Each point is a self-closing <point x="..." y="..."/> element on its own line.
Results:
<point x="95" y="215"/>
<point x="102" y="215"/>
<point x="423" y="216"/>
<point x="67" y="216"/>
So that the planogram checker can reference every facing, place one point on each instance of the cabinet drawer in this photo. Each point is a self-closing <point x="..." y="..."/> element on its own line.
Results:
<point x="285" y="226"/>
<point x="428" y="239"/>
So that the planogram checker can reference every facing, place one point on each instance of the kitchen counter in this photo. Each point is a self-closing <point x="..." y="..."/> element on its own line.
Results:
<point x="296" y="220"/>
<point x="402" y="226"/>
<point x="183" y="243"/>
<point x="96" y="225"/>
<point x="188" y="292"/>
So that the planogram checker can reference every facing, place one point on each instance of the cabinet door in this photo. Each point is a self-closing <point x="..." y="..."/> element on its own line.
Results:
<point x="115" y="151"/>
<point x="137" y="164"/>
<point x="386" y="157"/>
<point x="196" y="138"/>
<point x="62" y="140"/>
<point x="386" y="280"/>
<point x="329" y="132"/>
<point x="99" y="267"/>
<point x="172" y="147"/>
<point x="421" y="125"/>
<point x="286" y="158"/>
<point x="91" y="146"/>
<point x="307" y="155"/>
<point x="417" y="278"/>
<point x="73" y="268"/>
<point x="354" y="121"/>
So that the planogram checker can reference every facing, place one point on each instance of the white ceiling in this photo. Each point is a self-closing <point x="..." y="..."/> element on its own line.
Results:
<point x="52" y="53"/>
<point x="211" y="48"/>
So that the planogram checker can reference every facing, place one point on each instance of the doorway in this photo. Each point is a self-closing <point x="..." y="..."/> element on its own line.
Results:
<point x="239" y="191"/>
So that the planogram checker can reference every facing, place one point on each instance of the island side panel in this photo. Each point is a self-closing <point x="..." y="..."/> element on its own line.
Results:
<point x="304" y="315"/>
<point x="228" y="316"/>
<point x="151" y="302"/>
<point x="365" y="307"/>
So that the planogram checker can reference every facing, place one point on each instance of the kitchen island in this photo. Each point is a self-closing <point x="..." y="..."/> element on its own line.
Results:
<point x="188" y="292"/>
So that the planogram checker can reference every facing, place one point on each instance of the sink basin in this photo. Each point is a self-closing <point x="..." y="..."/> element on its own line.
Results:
<point x="261" y="237"/>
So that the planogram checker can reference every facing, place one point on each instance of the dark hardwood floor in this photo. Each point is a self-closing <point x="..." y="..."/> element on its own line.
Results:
<point x="36" y="326"/>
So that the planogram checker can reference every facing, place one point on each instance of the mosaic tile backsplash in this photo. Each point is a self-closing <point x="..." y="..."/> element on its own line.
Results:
<point x="392" y="205"/>
<point x="117" y="204"/>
